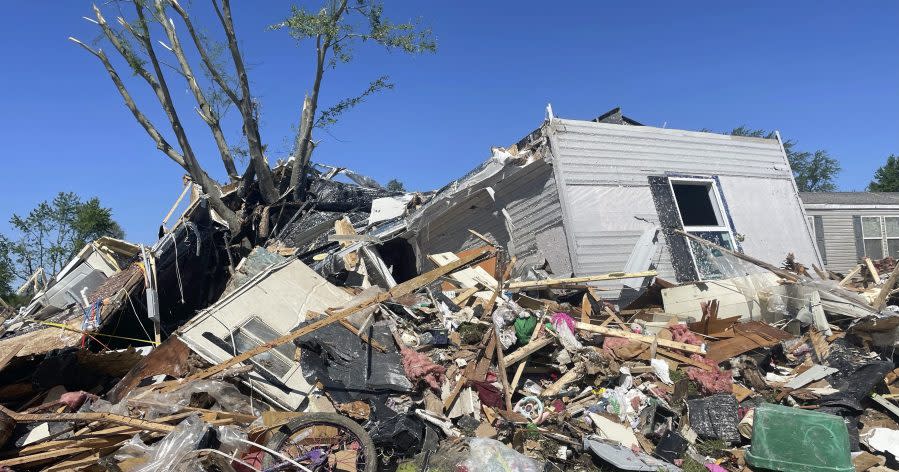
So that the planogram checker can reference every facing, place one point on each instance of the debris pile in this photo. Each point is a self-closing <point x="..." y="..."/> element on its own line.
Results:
<point x="323" y="343"/>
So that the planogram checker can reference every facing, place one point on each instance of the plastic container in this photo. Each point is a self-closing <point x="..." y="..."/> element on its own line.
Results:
<point x="794" y="440"/>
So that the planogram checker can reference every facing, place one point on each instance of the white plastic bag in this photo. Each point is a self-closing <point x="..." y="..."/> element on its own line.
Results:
<point x="490" y="455"/>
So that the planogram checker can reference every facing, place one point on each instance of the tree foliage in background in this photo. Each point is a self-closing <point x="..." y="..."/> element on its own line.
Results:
<point x="51" y="233"/>
<point x="395" y="186"/>
<point x="337" y="29"/>
<point x="7" y="271"/>
<point x="813" y="171"/>
<point x="886" y="178"/>
<point x="160" y="52"/>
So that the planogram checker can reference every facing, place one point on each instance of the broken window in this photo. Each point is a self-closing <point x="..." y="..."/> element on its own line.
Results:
<point x="702" y="214"/>
<point x="254" y="333"/>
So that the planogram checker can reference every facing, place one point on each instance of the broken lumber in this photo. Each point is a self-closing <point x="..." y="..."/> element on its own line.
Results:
<point x="557" y="386"/>
<point x="872" y="270"/>
<point x="526" y="351"/>
<point x="701" y="349"/>
<point x="399" y="290"/>
<point x="850" y="275"/>
<point x="885" y="290"/>
<point x="529" y="284"/>
<point x="88" y="416"/>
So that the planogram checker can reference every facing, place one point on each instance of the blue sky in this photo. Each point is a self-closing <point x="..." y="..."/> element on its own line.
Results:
<point x="825" y="73"/>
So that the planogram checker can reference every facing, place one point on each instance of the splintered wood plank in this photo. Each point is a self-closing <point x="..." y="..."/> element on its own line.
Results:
<point x="747" y="336"/>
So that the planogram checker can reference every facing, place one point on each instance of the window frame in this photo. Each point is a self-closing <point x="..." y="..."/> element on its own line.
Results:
<point x="724" y="227"/>
<point x="884" y="238"/>
<point x="242" y="327"/>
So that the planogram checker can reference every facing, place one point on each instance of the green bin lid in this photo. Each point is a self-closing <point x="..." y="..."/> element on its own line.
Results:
<point x="795" y="440"/>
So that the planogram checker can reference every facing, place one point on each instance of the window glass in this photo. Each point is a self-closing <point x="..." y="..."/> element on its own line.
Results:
<point x="891" y="224"/>
<point x="893" y="247"/>
<point x="712" y="263"/>
<point x="871" y="226"/>
<point x="874" y="248"/>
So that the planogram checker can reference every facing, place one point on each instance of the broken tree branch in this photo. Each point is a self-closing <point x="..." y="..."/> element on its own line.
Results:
<point x="206" y="112"/>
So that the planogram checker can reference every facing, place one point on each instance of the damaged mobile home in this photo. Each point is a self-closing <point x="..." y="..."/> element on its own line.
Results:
<point x="587" y="197"/>
<point x="554" y="309"/>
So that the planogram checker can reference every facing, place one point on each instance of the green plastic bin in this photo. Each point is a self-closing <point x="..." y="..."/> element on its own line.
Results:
<point x="794" y="440"/>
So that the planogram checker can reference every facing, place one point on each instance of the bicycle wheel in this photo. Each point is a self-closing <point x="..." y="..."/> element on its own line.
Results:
<point x="322" y="442"/>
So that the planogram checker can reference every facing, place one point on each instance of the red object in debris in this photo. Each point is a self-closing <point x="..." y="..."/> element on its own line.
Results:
<point x="419" y="367"/>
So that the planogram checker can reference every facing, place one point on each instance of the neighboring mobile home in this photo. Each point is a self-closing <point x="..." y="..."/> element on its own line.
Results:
<point x="589" y="197"/>
<point x="849" y="226"/>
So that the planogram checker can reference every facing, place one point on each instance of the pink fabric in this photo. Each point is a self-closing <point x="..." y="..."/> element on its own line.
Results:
<point x="559" y="318"/>
<point x="715" y="468"/>
<point x="74" y="400"/>
<point x="682" y="334"/>
<point x="711" y="381"/>
<point x="419" y="367"/>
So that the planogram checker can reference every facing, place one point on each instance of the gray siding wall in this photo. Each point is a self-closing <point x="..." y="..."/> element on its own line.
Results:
<point x="529" y="197"/>
<point x="602" y="172"/>
<point x="839" y="234"/>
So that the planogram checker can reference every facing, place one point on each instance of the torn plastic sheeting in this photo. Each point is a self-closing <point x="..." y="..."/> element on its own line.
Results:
<point x="857" y="385"/>
<point x="226" y="395"/>
<point x="338" y="196"/>
<point x="168" y="452"/>
<point x="625" y="458"/>
<point x="715" y="417"/>
<point x="490" y="455"/>
<point x="348" y="368"/>
<point x="401" y="431"/>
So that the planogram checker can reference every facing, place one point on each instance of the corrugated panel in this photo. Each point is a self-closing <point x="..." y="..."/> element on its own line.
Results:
<point x="532" y="202"/>
<point x="604" y="153"/>
<point x="529" y="196"/>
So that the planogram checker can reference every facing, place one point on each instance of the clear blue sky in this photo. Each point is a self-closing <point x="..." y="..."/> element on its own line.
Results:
<point x="825" y="73"/>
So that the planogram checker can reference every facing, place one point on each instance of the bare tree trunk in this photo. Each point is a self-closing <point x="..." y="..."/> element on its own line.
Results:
<point x="205" y="111"/>
<point x="250" y="125"/>
<point x="210" y="187"/>
<point x="303" y="146"/>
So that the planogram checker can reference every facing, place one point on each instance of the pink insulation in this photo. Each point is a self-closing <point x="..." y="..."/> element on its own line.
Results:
<point x="419" y="367"/>
<point x="711" y="381"/>
<point x="682" y="334"/>
<point x="609" y="344"/>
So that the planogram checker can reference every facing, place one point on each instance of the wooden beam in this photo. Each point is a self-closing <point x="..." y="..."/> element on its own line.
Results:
<point x="520" y="369"/>
<point x="872" y="270"/>
<point x="683" y="359"/>
<point x="885" y="290"/>
<point x="701" y="349"/>
<point x="851" y="274"/>
<point x="528" y="284"/>
<point x="399" y="290"/>
<point x="501" y="363"/>
<point x="465" y="295"/>
<point x="524" y="352"/>
<point x="557" y="386"/>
